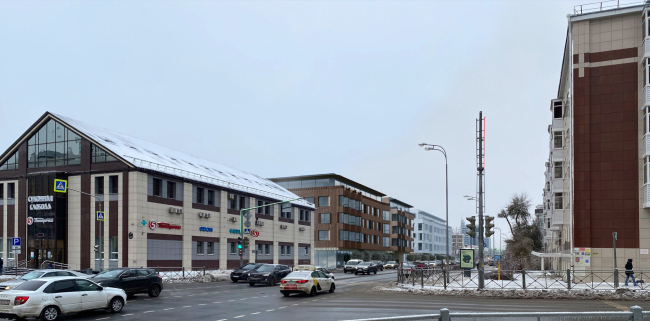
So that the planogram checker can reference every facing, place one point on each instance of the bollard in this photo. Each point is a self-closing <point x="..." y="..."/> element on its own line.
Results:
<point x="183" y="272"/>
<point x="445" y="275"/>
<point x="444" y="315"/>
<point x="422" y="283"/>
<point x="523" y="279"/>
<point x="568" y="279"/>
<point x="616" y="278"/>
<point x="637" y="313"/>
<point x="412" y="275"/>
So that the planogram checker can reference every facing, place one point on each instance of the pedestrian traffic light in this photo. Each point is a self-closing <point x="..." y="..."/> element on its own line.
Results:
<point x="239" y="243"/>
<point x="471" y="226"/>
<point x="489" y="226"/>
<point x="96" y="248"/>
<point x="246" y="242"/>
<point x="241" y="252"/>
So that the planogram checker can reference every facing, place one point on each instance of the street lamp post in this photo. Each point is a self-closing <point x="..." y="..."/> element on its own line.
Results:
<point x="439" y="148"/>
<point x="241" y="222"/>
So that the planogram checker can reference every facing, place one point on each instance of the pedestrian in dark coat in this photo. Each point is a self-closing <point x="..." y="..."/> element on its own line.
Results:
<point x="629" y="272"/>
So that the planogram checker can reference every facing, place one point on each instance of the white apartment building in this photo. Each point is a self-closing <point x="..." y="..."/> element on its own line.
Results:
<point x="429" y="234"/>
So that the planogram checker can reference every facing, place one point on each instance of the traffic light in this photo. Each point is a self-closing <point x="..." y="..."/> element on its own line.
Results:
<point x="246" y="242"/>
<point x="241" y="252"/>
<point x="96" y="248"/>
<point x="489" y="226"/>
<point x="471" y="226"/>
<point x="239" y="244"/>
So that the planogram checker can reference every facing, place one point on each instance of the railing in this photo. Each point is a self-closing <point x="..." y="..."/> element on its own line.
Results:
<point x="521" y="279"/>
<point x="211" y="180"/>
<point x="181" y="272"/>
<point x="636" y="313"/>
<point x="604" y="5"/>
<point x="646" y="195"/>
<point x="646" y="96"/>
<point x="54" y="265"/>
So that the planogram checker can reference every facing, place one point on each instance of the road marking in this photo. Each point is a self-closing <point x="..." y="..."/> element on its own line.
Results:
<point x="103" y="318"/>
<point x="254" y="297"/>
<point x="216" y="302"/>
<point x="265" y="296"/>
<point x="126" y="315"/>
<point x="222" y="320"/>
<point x="231" y="300"/>
<point x="148" y="311"/>
<point x="251" y="313"/>
<point x="202" y="304"/>
<point x="270" y="310"/>
<point x="187" y="306"/>
<point x="616" y="305"/>
<point x="242" y="299"/>
<point x="192" y="295"/>
<point x="239" y="316"/>
<point x="168" y="309"/>
<point x="295" y="304"/>
<point x="177" y="296"/>
<point x="281" y="308"/>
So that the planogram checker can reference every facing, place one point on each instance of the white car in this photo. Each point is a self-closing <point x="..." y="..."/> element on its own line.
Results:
<point x="306" y="282"/>
<point x="47" y="298"/>
<point x="46" y="273"/>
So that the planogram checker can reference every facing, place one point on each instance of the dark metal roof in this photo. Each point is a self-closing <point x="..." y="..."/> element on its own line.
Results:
<point x="337" y="177"/>
<point x="394" y="200"/>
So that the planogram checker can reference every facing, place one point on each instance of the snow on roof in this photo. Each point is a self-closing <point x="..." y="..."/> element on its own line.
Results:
<point x="146" y="155"/>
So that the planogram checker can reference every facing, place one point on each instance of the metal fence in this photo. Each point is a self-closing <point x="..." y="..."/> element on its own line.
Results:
<point x="635" y="314"/>
<point x="181" y="272"/>
<point x="523" y="279"/>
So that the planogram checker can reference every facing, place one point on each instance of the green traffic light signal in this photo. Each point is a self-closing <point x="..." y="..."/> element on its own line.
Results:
<point x="239" y="246"/>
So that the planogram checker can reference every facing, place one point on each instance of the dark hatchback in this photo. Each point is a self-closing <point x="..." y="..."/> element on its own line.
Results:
<point x="131" y="280"/>
<point x="271" y="274"/>
<point x="241" y="273"/>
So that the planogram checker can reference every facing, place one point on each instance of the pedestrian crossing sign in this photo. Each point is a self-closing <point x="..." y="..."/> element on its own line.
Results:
<point x="100" y="216"/>
<point x="60" y="185"/>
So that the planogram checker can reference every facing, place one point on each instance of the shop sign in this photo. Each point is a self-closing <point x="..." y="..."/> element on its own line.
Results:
<point x="234" y="231"/>
<point x="169" y="226"/>
<point x="47" y="200"/>
<point x="31" y="220"/>
<point x="152" y="224"/>
<point x="205" y="229"/>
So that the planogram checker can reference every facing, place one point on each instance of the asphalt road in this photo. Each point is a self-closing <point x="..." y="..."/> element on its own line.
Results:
<point x="226" y="301"/>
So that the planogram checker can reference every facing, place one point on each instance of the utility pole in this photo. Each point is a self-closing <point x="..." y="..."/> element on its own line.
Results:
<point x="481" y="272"/>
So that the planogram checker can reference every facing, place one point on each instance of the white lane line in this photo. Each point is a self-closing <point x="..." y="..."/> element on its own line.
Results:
<point x="242" y="299"/>
<point x="270" y="310"/>
<point x="168" y="309"/>
<point x="295" y="304"/>
<point x="254" y="297"/>
<point x="265" y="296"/>
<point x="239" y="316"/>
<point x="192" y="295"/>
<point x="231" y="300"/>
<point x="187" y="306"/>
<point x="103" y="318"/>
<point x="202" y="304"/>
<point x="216" y="302"/>
<point x="222" y="320"/>
<point x="126" y="315"/>
<point x="147" y="311"/>
<point x="281" y="308"/>
<point x="251" y="313"/>
<point x="177" y="296"/>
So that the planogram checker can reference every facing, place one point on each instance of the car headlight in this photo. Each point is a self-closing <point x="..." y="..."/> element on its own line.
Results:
<point x="7" y="288"/>
<point x="267" y="274"/>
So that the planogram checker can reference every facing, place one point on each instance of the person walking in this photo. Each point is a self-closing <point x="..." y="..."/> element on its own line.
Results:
<point x="629" y="273"/>
<point x="2" y="263"/>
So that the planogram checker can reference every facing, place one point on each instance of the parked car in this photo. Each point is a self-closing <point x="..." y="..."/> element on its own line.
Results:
<point x="37" y="274"/>
<point x="366" y="268"/>
<point x="406" y="269"/>
<point x="351" y="266"/>
<point x="132" y="281"/>
<point x="241" y="273"/>
<point x="379" y="265"/>
<point x="270" y="274"/>
<point x="47" y="298"/>
<point x="391" y="265"/>
<point x="306" y="282"/>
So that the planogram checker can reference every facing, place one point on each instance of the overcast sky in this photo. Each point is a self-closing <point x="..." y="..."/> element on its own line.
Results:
<point x="293" y="88"/>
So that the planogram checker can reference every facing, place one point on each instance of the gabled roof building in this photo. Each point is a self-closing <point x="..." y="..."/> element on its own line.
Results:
<point x="161" y="207"/>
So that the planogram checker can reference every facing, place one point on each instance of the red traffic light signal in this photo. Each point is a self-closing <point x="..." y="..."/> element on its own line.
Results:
<point x="241" y="252"/>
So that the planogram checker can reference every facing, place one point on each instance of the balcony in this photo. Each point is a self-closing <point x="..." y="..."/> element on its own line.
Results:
<point x="646" y="196"/>
<point x="557" y="219"/>
<point x="646" y="145"/>
<point x="646" y="48"/>
<point x="646" y="96"/>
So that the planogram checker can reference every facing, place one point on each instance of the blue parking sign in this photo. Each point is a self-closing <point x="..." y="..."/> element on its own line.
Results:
<point x="15" y="241"/>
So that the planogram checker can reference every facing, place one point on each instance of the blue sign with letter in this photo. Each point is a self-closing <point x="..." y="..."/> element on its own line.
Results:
<point x="205" y="229"/>
<point x="234" y="231"/>
<point x="247" y="231"/>
<point x="497" y="258"/>
<point x="15" y="241"/>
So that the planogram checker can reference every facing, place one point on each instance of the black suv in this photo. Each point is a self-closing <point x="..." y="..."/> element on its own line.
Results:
<point x="132" y="281"/>
<point x="241" y="273"/>
<point x="366" y="268"/>
<point x="380" y="265"/>
<point x="268" y="273"/>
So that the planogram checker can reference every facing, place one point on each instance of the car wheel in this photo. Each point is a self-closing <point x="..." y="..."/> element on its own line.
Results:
<point x="116" y="305"/>
<point x="272" y="282"/>
<point x="234" y="281"/>
<point x="286" y="293"/>
<point x="356" y="273"/>
<point x="251" y="283"/>
<point x="50" y="313"/>
<point x="154" y="290"/>
<point x="332" y="287"/>
<point x="313" y="291"/>
<point x="375" y="271"/>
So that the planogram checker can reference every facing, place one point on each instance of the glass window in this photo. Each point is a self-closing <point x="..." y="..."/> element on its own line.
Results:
<point x="99" y="185"/>
<point x="113" y="184"/>
<point x="112" y="243"/>
<point x="98" y="155"/>
<point x="31" y="285"/>
<point x="85" y="285"/>
<point x="286" y="211"/>
<point x="99" y="247"/>
<point x="210" y="197"/>
<point x="199" y="248"/>
<point x="11" y="163"/>
<point x="323" y="201"/>
<point x="210" y="248"/>
<point x="171" y="190"/>
<point x="11" y="190"/>
<point x="199" y="195"/>
<point x="557" y="109"/>
<point x="157" y="187"/>
<point x="558" y="201"/>
<point x="558" y="169"/>
<point x="325" y="218"/>
<point x="53" y="145"/>
<point x="557" y="139"/>
<point x="323" y="235"/>
<point x="309" y="199"/>
<point x="63" y="286"/>
<point x="232" y="248"/>
<point x="283" y="250"/>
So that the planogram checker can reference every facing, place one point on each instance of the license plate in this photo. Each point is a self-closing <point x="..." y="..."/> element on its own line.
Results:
<point x="235" y="276"/>
<point x="291" y="287"/>
<point x="4" y="302"/>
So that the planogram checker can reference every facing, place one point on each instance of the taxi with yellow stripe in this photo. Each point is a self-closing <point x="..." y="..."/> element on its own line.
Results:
<point x="306" y="279"/>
